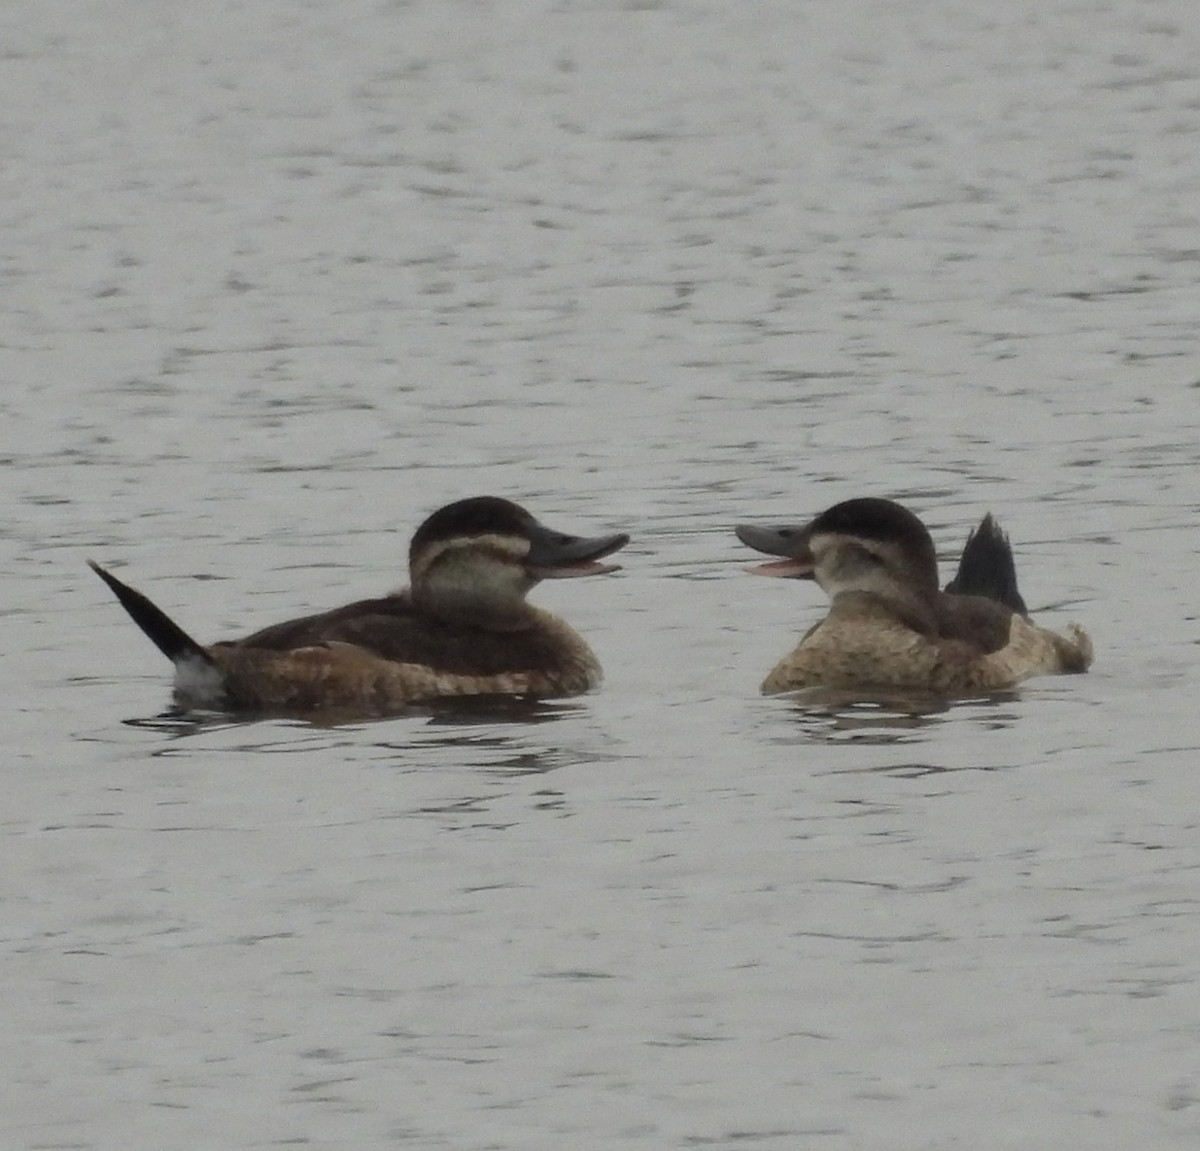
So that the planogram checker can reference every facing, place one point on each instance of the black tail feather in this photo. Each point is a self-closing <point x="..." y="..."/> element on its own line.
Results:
<point x="165" y="633"/>
<point x="987" y="567"/>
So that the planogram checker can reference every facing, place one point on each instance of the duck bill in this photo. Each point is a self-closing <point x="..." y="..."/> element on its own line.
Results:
<point x="554" y="555"/>
<point x="789" y="542"/>
<point x="782" y="569"/>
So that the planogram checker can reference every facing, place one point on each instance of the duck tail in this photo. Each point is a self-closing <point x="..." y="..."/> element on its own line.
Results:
<point x="164" y="632"/>
<point x="987" y="568"/>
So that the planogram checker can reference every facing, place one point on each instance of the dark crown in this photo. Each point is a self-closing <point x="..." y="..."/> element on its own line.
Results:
<point x="477" y="516"/>
<point x="872" y="518"/>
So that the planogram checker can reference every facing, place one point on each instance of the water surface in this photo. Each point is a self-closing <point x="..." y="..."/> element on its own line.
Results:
<point x="283" y="278"/>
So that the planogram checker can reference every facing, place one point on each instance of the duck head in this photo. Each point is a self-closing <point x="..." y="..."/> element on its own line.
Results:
<point x="870" y="545"/>
<point x="474" y="561"/>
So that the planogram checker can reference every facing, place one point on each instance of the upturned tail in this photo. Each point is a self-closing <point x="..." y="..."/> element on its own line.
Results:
<point x="987" y="568"/>
<point x="164" y="632"/>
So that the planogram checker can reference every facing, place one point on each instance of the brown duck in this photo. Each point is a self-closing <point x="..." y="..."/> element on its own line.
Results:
<point x="462" y="628"/>
<point x="889" y="625"/>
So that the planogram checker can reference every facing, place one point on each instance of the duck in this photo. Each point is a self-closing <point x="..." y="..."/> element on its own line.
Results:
<point x="889" y="624"/>
<point x="463" y="627"/>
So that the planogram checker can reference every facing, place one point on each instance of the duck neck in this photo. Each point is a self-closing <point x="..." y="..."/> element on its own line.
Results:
<point x="489" y="596"/>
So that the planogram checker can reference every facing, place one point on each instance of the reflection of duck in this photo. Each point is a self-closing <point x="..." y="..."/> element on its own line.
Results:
<point x="888" y="624"/>
<point x="463" y="627"/>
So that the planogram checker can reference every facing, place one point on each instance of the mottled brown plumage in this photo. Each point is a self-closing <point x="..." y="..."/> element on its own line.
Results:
<point x="889" y="626"/>
<point x="549" y="659"/>
<point x="462" y="628"/>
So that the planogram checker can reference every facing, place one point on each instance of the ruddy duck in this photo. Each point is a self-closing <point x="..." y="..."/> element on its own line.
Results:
<point x="889" y="626"/>
<point x="463" y="627"/>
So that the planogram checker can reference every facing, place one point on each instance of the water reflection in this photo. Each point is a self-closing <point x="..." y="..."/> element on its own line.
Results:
<point x="466" y="742"/>
<point x="179" y="724"/>
<point x="471" y="711"/>
<point x="464" y="711"/>
<point x="460" y="764"/>
<point x="885" y="718"/>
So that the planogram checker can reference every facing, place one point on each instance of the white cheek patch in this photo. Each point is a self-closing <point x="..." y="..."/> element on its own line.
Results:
<point x="850" y="563"/>
<point x="499" y="549"/>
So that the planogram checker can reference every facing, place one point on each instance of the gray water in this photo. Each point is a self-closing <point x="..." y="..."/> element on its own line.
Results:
<point x="280" y="278"/>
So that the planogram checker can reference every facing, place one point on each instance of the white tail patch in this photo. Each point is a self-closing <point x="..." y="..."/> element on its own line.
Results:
<point x="198" y="683"/>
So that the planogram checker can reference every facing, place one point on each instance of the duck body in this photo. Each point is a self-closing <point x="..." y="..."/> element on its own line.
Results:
<point x="388" y="654"/>
<point x="463" y="627"/>
<point x="889" y="625"/>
